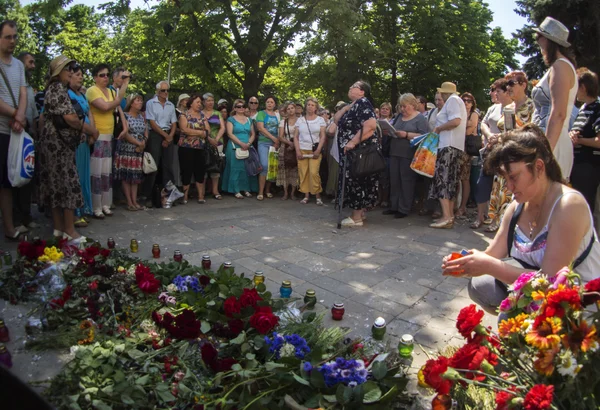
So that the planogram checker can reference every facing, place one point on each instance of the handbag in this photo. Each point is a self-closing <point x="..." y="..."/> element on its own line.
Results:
<point x="252" y="163"/>
<point x="240" y="153"/>
<point x="315" y="145"/>
<point x="212" y="159"/>
<point x="473" y="144"/>
<point x="367" y="159"/>
<point x="289" y="154"/>
<point x="149" y="166"/>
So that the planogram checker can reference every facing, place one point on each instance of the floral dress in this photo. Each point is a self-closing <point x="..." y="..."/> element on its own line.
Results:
<point x="358" y="193"/>
<point x="128" y="162"/>
<point x="59" y="180"/>
<point x="286" y="174"/>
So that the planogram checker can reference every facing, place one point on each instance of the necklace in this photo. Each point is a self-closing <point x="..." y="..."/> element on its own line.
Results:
<point x="533" y="224"/>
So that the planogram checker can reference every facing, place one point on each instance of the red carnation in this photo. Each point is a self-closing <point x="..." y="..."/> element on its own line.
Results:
<point x="105" y="252"/>
<point x="146" y="281"/>
<point x="470" y="357"/>
<point x="555" y="302"/>
<point x="250" y="297"/>
<point x="433" y="371"/>
<point x="31" y="250"/>
<point x="468" y="319"/>
<point x="231" y="306"/>
<point x="93" y="285"/>
<point x="539" y="397"/>
<point x="591" y="286"/>
<point x="236" y="326"/>
<point x="204" y="280"/>
<point x="183" y="326"/>
<point x="263" y="320"/>
<point x="157" y="318"/>
<point x="503" y="400"/>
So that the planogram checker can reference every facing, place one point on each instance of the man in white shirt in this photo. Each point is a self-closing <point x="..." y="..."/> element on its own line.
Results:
<point x="450" y="125"/>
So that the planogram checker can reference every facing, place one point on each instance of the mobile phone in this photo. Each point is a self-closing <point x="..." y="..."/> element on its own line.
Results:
<point x="464" y="252"/>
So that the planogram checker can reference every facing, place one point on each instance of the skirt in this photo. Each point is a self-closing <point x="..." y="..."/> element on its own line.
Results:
<point x="286" y="175"/>
<point x="447" y="172"/>
<point x="128" y="163"/>
<point x="82" y="160"/>
<point x="101" y="172"/>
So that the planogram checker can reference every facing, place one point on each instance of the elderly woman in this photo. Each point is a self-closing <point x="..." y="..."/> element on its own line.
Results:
<point x="59" y="188"/>
<point x="215" y="139"/>
<point x="267" y="122"/>
<point x="547" y="226"/>
<point x="408" y="125"/>
<point x="450" y="125"/>
<point x="130" y="152"/>
<point x="103" y="103"/>
<point x="585" y="135"/>
<point x="470" y="133"/>
<point x="554" y="94"/>
<point x="194" y="131"/>
<point x="82" y="156"/>
<point x="309" y="138"/>
<point x="356" y="125"/>
<point x="287" y="173"/>
<point x="241" y="135"/>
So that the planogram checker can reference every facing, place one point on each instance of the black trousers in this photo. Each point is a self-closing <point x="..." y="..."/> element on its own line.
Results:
<point x="585" y="177"/>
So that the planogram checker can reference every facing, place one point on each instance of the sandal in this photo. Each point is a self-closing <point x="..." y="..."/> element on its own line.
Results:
<point x="351" y="222"/>
<point x="319" y="201"/>
<point x="81" y="223"/>
<point x="98" y="215"/>
<point x="239" y="196"/>
<point x="488" y="221"/>
<point x="476" y="224"/>
<point x="259" y="197"/>
<point x="304" y="201"/>
<point x="218" y="197"/>
<point x="492" y="228"/>
<point x="16" y="236"/>
<point x="132" y="208"/>
<point x="247" y="194"/>
<point x="141" y="208"/>
<point x="201" y="201"/>
<point x="106" y="211"/>
<point x="269" y="195"/>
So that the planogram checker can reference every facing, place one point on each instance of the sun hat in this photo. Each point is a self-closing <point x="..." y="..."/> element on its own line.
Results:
<point x="430" y="106"/>
<point x="57" y="65"/>
<point x="182" y="97"/>
<point x="222" y="101"/>
<point x="447" y="88"/>
<point x="340" y="104"/>
<point x="554" y="30"/>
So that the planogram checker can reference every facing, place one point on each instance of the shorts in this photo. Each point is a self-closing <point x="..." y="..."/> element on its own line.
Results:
<point x="4" y="142"/>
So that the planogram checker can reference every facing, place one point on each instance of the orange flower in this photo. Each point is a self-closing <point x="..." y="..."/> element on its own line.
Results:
<point x="544" y="364"/>
<point x="581" y="337"/>
<point x="512" y="325"/>
<point x="544" y="333"/>
<point x="538" y="295"/>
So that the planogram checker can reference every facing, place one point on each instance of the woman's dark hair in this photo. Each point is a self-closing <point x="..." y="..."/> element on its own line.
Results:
<point x="526" y="144"/>
<point x="192" y="98"/>
<point x="272" y="97"/>
<point x="470" y="96"/>
<point x="99" y="68"/>
<point x="517" y="77"/>
<point x="590" y="80"/>
<point x="365" y="86"/>
<point x="552" y="51"/>
<point x="501" y="83"/>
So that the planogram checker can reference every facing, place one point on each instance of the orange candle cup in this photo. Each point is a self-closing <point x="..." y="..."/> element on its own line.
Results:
<point x="454" y="256"/>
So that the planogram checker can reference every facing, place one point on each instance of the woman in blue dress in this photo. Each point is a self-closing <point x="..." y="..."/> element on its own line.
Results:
<point x="82" y="154"/>
<point x="241" y="135"/>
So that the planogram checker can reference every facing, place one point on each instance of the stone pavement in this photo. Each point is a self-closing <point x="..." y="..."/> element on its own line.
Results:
<point x="389" y="267"/>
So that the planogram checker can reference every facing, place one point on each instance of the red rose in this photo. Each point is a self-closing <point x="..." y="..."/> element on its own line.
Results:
<point x="31" y="250"/>
<point x="67" y="292"/>
<point x="263" y="320"/>
<point x="539" y="397"/>
<point x="146" y="281"/>
<point x="204" y="280"/>
<point x="470" y="357"/>
<point x="236" y="326"/>
<point x="433" y="371"/>
<point x="468" y="318"/>
<point x="591" y="286"/>
<point x="231" y="306"/>
<point x="157" y="318"/>
<point x="105" y="252"/>
<point x="93" y="285"/>
<point x="249" y="298"/>
<point x="209" y="354"/>
<point x="183" y="326"/>
<point x="503" y="400"/>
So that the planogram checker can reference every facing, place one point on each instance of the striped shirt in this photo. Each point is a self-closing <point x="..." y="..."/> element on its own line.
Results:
<point x="588" y="125"/>
<point x="15" y="72"/>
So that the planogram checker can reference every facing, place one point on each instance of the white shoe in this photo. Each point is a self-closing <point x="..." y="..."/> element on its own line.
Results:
<point x="351" y="222"/>
<point x="76" y="241"/>
<point x="21" y="229"/>
<point x="106" y="211"/>
<point x="57" y="233"/>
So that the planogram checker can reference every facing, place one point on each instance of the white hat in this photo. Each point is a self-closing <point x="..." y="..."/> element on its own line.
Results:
<point x="222" y="101"/>
<point x="555" y="31"/>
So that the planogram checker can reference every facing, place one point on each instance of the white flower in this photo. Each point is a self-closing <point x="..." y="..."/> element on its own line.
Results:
<point x="147" y="325"/>
<point x="287" y="350"/>
<point x="360" y="365"/>
<point x="540" y="282"/>
<point x="593" y="346"/>
<point x="172" y="288"/>
<point x="74" y="349"/>
<point x="567" y="365"/>
<point x="131" y="270"/>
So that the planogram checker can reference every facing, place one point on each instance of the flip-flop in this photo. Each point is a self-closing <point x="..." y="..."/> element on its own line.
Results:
<point x="476" y="224"/>
<point x="15" y="238"/>
<point x="260" y="197"/>
<point x="319" y="201"/>
<point x="218" y="197"/>
<point x="247" y="194"/>
<point x="269" y="195"/>
<point x="304" y="201"/>
<point x="239" y="196"/>
<point x="132" y="208"/>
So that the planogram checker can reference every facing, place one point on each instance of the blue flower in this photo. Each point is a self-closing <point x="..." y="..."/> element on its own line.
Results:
<point x="307" y="367"/>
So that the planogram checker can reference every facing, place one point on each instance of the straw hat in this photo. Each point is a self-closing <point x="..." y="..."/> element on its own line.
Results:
<point x="182" y="97"/>
<point x="555" y="31"/>
<point x="58" y="64"/>
<point x="447" y="88"/>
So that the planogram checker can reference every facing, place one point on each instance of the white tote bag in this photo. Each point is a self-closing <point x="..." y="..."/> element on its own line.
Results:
<point x="21" y="158"/>
<point x="149" y="164"/>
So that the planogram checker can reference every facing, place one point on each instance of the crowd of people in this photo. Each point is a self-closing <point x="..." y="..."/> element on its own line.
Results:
<point x="104" y="146"/>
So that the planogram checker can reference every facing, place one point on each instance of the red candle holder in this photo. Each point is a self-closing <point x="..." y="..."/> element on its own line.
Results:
<point x="337" y="311"/>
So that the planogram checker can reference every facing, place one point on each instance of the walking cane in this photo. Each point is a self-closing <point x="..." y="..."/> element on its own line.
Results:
<point x="341" y="200"/>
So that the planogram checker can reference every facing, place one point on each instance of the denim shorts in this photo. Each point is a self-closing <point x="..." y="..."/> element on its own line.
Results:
<point x="263" y="154"/>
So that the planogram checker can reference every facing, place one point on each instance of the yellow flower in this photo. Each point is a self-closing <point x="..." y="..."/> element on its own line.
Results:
<point x="51" y="255"/>
<point x="513" y="325"/>
<point x="538" y="295"/>
<point x="544" y="364"/>
<point x="544" y="335"/>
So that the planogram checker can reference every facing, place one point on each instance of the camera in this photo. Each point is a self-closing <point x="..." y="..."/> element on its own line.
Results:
<point x="130" y="76"/>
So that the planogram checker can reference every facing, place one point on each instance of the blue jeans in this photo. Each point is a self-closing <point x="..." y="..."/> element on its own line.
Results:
<point x="263" y="155"/>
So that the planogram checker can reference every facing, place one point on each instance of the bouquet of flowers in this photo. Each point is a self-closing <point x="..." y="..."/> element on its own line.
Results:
<point x="544" y="354"/>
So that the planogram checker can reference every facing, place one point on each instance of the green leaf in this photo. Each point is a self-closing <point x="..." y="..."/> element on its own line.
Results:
<point x="236" y="367"/>
<point x="331" y="398"/>
<point x="309" y="317"/>
<point x="210" y="303"/>
<point x="205" y="327"/>
<point x="135" y="354"/>
<point x="270" y="366"/>
<point x="301" y="380"/>
<point x="379" y="370"/>
<point x="372" y="392"/>
<point x="313" y="401"/>
<point x="261" y="288"/>
<point x="126" y="399"/>
<point x="241" y="338"/>
<point x="522" y="303"/>
<point x="100" y="405"/>
<point x="142" y="380"/>
<point x="317" y="379"/>
<point x="343" y="394"/>
<point x="165" y="396"/>
<point x="250" y="356"/>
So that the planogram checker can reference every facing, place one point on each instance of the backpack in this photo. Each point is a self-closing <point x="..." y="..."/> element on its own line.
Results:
<point x="252" y="163"/>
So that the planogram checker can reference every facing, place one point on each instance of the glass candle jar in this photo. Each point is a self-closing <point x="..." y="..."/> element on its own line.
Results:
<point x="227" y="266"/>
<point x="177" y="256"/>
<point x="286" y="289"/>
<point x="379" y="328"/>
<point x="4" y="336"/>
<point x="155" y="251"/>
<point x="406" y="346"/>
<point x="134" y="246"/>
<point x="110" y="243"/>
<point x="5" y="357"/>
<point x="310" y="298"/>
<point x="206" y="262"/>
<point x="443" y="402"/>
<point x="337" y="311"/>
<point x="7" y="258"/>
<point x="259" y="278"/>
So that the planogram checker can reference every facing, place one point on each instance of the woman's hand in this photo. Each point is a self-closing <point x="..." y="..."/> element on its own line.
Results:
<point x="245" y="147"/>
<point x="316" y="153"/>
<point x="213" y="142"/>
<point x="349" y="146"/>
<point x="575" y="137"/>
<point x="299" y="155"/>
<point x="476" y="263"/>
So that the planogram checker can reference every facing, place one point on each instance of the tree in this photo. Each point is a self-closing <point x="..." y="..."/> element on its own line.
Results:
<point x="582" y="18"/>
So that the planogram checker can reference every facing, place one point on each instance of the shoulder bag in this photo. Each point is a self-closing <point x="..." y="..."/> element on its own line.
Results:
<point x="289" y="154"/>
<point x="240" y="153"/>
<point x="149" y="165"/>
<point x="315" y="145"/>
<point x="366" y="159"/>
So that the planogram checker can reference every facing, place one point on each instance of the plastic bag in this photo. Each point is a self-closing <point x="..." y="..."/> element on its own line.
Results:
<point x="273" y="164"/>
<point x="21" y="159"/>
<point x="424" y="160"/>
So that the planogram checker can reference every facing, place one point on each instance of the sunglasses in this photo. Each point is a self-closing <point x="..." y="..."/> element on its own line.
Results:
<point x="103" y="75"/>
<point x="511" y="83"/>
<point x="239" y="106"/>
<point x="164" y="90"/>
<point x="467" y="100"/>
<point x="253" y="102"/>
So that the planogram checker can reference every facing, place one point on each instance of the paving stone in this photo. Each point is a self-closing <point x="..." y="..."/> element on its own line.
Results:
<point x="363" y="279"/>
<point x="377" y="302"/>
<point x="300" y="272"/>
<point x="335" y="286"/>
<point x="400" y="291"/>
<point x="293" y="255"/>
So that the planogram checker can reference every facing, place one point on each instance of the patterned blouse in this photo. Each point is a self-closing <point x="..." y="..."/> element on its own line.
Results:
<point x="192" y="141"/>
